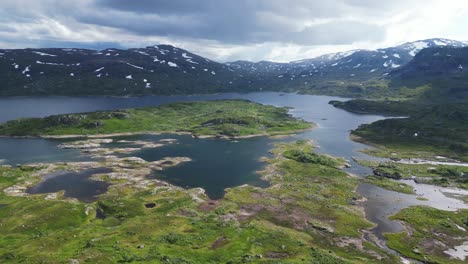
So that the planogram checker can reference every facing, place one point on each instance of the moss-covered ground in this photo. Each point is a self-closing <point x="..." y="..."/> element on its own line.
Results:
<point x="307" y="215"/>
<point x="430" y="232"/>
<point x="231" y="118"/>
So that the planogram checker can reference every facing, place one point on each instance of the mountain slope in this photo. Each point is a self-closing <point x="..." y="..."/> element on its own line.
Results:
<point x="159" y="69"/>
<point x="165" y="69"/>
<point x="443" y="70"/>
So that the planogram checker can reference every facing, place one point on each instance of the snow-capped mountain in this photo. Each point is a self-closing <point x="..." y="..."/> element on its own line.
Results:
<point x="161" y="69"/>
<point x="355" y="64"/>
<point x="164" y="69"/>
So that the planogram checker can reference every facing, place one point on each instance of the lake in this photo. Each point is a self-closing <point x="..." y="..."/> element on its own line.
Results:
<point x="217" y="164"/>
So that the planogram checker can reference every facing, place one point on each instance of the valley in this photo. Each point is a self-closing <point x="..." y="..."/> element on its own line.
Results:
<point x="259" y="176"/>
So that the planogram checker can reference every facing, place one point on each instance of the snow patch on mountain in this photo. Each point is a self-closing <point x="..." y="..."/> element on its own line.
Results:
<point x="44" y="54"/>
<point x="50" y="63"/>
<point x="27" y="69"/>
<point x="186" y="56"/>
<point x="440" y="43"/>
<point x="172" y="64"/>
<point x="134" y="66"/>
<point x="191" y="61"/>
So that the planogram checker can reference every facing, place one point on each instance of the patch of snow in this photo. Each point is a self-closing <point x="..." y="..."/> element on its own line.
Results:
<point x="129" y="77"/>
<point x="373" y="70"/>
<point x="212" y="72"/>
<point x="99" y="75"/>
<point x="50" y="63"/>
<point x="191" y="61"/>
<point x="108" y="54"/>
<point x="72" y="74"/>
<point x="460" y="67"/>
<point x="419" y="45"/>
<point x="395" y="65"/>
<point x="155" y="59"/>
<point x="384" y="56"/>
<point x="44" y="54"/>
<point x="15" y="65"/>
<point x="386" y="64"/>
<point x="148" y="85"/>
<point x="459" y="252"/>
<point x="460" y="228"/>
<point x="171" y="64"/>
<point x="205" y="70"/>
<point x="357" y="66"/>
<point x="396" y="55"/>
<point x="334" y="64"/>
<point x="143" y="53"/>
<point x="100" y="69"/>
<point x="144" y="80"/>
<point x="134" y="66"/>
<point x="186" y="56"/>
<point x="26" y="69"/>
<point x="440" y="43"/>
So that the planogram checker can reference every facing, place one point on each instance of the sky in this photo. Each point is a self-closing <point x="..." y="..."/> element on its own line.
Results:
<point x="229" y="30"/>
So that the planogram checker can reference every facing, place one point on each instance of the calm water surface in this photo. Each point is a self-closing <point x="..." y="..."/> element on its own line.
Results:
<point x="217" y="164"/>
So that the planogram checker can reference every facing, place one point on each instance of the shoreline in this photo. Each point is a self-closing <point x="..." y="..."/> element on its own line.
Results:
<point x="123" y="134"/>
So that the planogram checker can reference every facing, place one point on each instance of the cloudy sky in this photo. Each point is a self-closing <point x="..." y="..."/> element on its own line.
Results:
<point x="226" y="30"/>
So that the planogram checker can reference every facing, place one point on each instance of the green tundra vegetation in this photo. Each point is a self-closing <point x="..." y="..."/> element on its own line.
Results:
<point x="430" y="129"/>
<point x="390" y="184"/>
<point x="309" y="214"/>
<point x="444" y="175"/>
<point x="229" y="118"/>
<point x="430" y="235"/>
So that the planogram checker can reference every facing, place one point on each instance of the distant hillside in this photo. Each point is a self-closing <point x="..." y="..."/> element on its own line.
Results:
<point x="442" y="70"/>
<point x="165" y="69"/>
<point x="161" y="69"/>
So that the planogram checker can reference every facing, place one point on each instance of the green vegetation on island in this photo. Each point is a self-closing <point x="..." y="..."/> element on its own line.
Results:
<point x="389" y="184"/>
<point x="431" y="235"/>
<point x="309" y="214"/>
<point x="230" y="118"/>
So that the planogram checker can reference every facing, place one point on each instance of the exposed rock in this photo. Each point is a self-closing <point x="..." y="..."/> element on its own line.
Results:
<point x="85" y="144"/>
<point x="381" y="173"/>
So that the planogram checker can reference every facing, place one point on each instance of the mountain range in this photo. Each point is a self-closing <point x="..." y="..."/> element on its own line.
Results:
<point x="164" y="69"/>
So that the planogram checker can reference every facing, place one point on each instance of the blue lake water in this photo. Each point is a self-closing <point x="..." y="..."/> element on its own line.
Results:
<point x="217" y="164"/>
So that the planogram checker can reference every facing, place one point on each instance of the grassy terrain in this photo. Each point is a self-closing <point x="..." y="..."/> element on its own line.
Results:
<point x="444" y="175"/>
<point x="431" y="232"/>
<point x="306" y="216"/>
<point x="389" y="184"/>
<point x="431" y="129"/>
<point x="224" y="117"/>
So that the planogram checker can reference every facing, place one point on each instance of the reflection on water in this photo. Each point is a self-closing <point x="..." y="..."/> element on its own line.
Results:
<point x="75" y="184"/>
<point x="216" y="164"/>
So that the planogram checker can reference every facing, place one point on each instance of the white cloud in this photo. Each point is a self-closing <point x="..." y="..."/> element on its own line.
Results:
<point x="262" y="30"/>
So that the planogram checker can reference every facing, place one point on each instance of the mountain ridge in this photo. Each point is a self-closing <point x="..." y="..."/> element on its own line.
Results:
<point x="165" y="69"/>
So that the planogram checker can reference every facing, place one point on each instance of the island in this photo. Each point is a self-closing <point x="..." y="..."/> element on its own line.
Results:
<point x="221" y="118"/>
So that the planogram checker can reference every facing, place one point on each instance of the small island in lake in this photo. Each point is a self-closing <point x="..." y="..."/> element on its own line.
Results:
<point x="221" y="118"/>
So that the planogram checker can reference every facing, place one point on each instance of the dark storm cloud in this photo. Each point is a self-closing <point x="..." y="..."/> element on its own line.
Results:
<point x="241" y="21"/>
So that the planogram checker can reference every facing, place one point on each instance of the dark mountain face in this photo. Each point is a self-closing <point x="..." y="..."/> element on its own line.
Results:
<point x="160" y="69"/>
<point x="444" y="70"/>
<point x="165" y="69"/>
